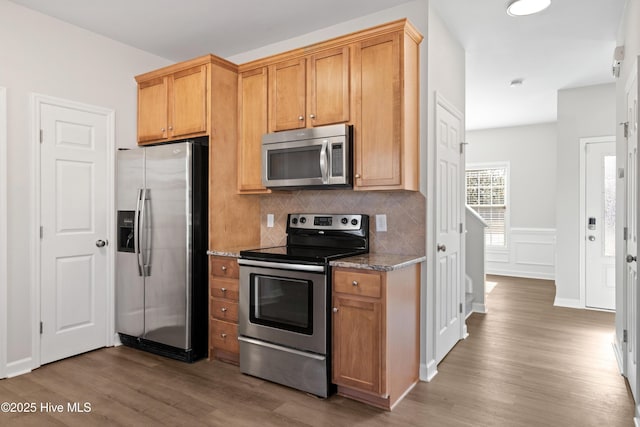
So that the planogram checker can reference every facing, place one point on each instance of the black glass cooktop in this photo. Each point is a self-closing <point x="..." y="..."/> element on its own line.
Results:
<point x="316" y="255"/>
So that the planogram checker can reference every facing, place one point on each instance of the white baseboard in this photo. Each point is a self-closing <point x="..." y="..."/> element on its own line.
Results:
<point x="477" y="307"/>
<point x="19" y="367"/>
<point x="617" y="351"/>
<point x="428" y="371"/>
<point x="568" y="303"/>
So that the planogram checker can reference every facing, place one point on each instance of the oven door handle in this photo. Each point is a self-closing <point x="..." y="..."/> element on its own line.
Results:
<point x="282" y="265"/>
<point x="281" y="348"/>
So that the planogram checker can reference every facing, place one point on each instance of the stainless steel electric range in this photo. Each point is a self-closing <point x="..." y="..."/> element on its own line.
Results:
<point x="285" y="293"/>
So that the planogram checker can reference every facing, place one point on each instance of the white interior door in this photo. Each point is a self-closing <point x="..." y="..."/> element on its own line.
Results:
<point x="631" y="274"/>
<point x="73" y="212"/>
<point x="600" y="225"/>
<point x="449" y="192"/>
<point x="3" y="232"/>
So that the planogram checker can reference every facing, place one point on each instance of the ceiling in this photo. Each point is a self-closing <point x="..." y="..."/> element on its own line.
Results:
<point x="568" y="45"/>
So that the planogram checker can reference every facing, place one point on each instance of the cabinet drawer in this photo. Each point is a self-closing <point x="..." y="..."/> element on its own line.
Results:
<point x="222" y="287"/>
<point x="224" y="335"/>
<point x="357" y="283"/>
<point x="223" y="309"/>
<point x="224" y="267"/>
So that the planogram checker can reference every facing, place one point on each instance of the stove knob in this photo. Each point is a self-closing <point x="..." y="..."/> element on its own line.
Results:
<point x="354" y="222"/>
<point x="303" y="220"/>
<point x="344" y="221"/>
<point x="294" y="221"/>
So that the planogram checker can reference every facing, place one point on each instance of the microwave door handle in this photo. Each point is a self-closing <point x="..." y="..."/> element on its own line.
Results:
<point x="136" y="232"/>
<point x="324" y="162"/>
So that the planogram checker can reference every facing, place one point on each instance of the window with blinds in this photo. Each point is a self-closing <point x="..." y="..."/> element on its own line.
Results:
<point x="486" y="194"/>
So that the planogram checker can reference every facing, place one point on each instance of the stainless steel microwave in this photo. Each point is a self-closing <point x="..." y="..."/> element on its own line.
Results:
<point x="308" y="158"/>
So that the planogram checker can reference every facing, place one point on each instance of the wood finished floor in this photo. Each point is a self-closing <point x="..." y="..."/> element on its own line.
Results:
<point x="525" y="363"/>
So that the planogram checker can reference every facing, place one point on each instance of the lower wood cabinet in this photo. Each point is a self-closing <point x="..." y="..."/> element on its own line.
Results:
<point x="223" y="309"/>
<point x="375" y="334"/>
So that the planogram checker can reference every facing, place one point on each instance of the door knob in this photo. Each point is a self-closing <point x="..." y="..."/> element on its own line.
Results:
<point x="441" y="248"/>
<point x="101" y="243"/>
<point x="631" y="258"/>
<point x="592" y="238"/>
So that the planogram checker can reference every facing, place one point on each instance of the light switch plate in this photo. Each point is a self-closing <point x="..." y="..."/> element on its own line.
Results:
<point x="270" y="220"/>
<point x="381" y="222"/>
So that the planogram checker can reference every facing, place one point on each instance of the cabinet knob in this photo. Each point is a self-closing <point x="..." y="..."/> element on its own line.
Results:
<point x="357" y="175"/>
<point x="301" y="118"/>
<point x="162" y="129"/>
<point x="312" y="116"/>
<point x="223" y="289"/>
<point x="335" y="309"/>
<point x="224" y="268"/>
<point x="223" y="309"/>
<point x="170" y="127"/>
<point x="354" y="283"/>
<point x="223" y="335"/>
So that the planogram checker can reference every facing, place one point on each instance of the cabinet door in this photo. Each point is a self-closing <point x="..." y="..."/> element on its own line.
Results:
<point x="329" y="87"/>
<point x="152" y="110"/>
<point x="252" y="124"/>
<point x="287" y="95"/>
<point x="189" y="102"/>
<point x="378" y="136"/>
<point x="358" y="353"/>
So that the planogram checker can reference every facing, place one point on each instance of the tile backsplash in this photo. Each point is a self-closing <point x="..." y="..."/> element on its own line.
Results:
<point x="405" y="211"/>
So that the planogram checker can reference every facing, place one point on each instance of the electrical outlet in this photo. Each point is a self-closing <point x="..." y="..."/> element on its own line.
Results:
<point x="270" y="220"/>
<point x="381" y="222"/>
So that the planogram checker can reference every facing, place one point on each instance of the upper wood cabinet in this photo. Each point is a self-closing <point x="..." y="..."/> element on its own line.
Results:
<point x="310" y="91"/>
<point x="386" y="87"/>
<point x="252" y="124"/>
<point x="173" y="104"/>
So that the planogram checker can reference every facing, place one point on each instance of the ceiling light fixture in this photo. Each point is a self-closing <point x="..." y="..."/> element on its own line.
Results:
<point x="526" y="7"/>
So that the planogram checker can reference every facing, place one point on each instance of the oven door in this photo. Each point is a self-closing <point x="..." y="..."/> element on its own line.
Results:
<point x="284" y="304"/>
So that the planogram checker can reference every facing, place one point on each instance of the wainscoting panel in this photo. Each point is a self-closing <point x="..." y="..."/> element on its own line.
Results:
<point x="530" y="252"/>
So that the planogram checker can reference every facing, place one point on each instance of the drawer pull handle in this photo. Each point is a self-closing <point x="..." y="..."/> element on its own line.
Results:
<point x="354" y="283"/>
<point x="223" y="335"/>
<point x="223" y="290"/>
<point x="224" y="268"/>
<point x="223" y="309"/>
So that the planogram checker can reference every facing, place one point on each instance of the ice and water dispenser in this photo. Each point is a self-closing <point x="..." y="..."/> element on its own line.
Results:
<point x="126" y="236"/>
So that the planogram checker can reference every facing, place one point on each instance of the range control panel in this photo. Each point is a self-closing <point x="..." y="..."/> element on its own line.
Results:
<point x="326" y="221"/>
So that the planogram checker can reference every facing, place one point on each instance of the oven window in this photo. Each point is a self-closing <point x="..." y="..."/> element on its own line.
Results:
<point x="282" y="303"/>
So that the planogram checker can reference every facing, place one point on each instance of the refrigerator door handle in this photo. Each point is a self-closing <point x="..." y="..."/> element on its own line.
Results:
<point x="136" y="233"/>
<point x="146" y="267"/>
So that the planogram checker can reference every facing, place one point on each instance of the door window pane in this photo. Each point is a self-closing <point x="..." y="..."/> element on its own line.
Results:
<point x="609" y="205"/>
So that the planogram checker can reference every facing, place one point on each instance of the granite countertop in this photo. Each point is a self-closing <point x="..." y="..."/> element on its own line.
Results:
<point x="230" y="252"/>
<point x="378" y="261"/>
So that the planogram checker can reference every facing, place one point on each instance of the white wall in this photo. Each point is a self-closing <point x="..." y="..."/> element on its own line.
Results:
<point x="530" y="152"/>
<point x="582" y="113"/>
<point x="446" y="77"/>
<point x="44" y="55"/>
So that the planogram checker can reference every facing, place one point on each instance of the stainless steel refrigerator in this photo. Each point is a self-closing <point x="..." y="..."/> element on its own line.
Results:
<point x="161" y="259"/>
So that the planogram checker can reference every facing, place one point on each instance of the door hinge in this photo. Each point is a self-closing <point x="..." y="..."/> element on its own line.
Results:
<point x="462" y="144"/>
<point x="461" y="229"/>
<point x="625" y="129"/>
<point x="41" y="136"/>
<point x="41" y="232"/>
<point x="41" y="327"/>
<point x="625" y="233"/>
<point x="460" y="307"/>
<point x="624" y="336"/>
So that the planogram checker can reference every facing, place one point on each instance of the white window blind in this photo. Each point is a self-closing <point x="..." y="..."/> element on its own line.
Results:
<point x="486" y="194"/>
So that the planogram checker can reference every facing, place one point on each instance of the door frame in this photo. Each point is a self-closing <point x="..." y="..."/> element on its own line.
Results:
<point x="4" y="276"/>
<point x="582" y="217"/>
<point x="37" y="102"/>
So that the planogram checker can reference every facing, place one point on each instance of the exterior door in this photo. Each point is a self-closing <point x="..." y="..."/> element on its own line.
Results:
<point x="600" y="226"/>
<point x="631" y="273"/>
<point x="73" y="252"/>
<point x="450" y="167"/>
